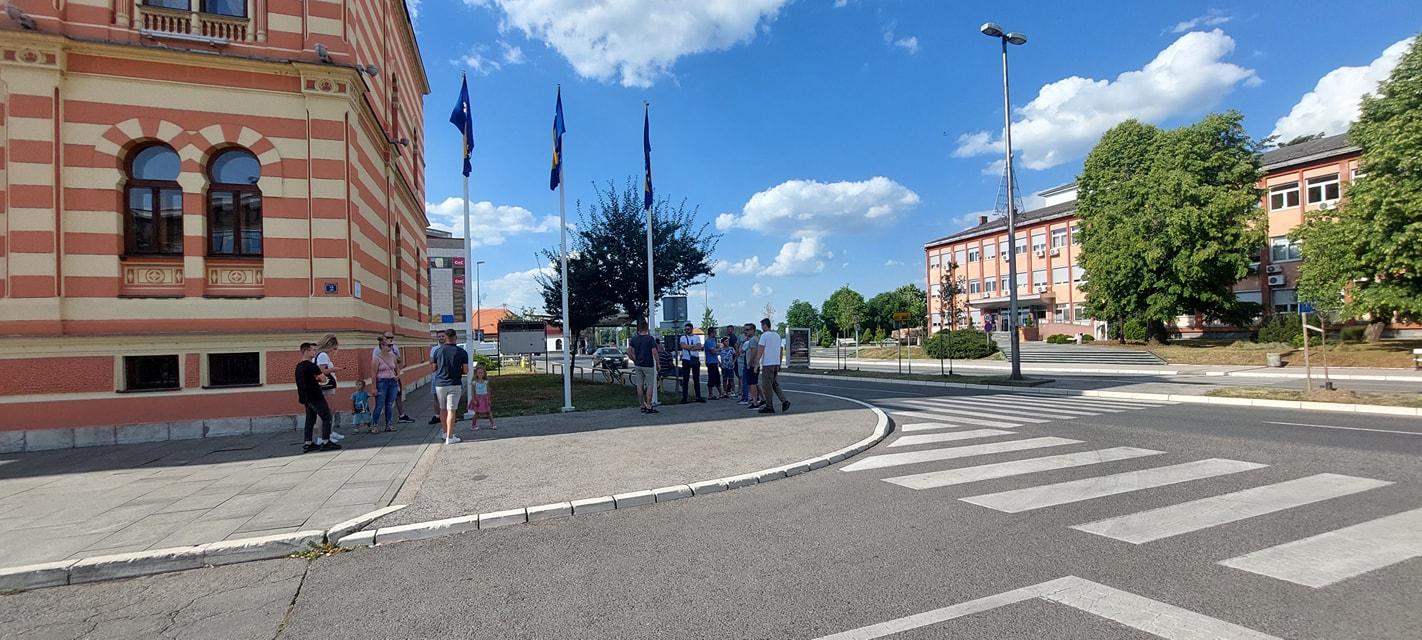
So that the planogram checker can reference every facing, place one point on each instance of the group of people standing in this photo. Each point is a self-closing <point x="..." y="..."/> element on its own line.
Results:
<point x="752" y="358"/>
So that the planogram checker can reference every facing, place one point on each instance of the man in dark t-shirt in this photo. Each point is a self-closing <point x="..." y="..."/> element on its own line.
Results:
<point x="451" y="363"/>
<point x="644" y="357"/>
<point x="308" y="392"/>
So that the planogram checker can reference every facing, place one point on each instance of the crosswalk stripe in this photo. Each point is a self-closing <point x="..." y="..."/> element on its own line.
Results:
<point x="931" y="426"/>
<point x="1326" y="558"/>
<point x="913" y="457"/>
<point x="1061" y="404"/>
<point x="1034" y="407"/>
<point x="1083" y="401"/>
<point x="929" y="438"/>
<point x="965" y="475"/>
<point x="969" y="410"/>
<point x="1088" y="488"/>
<point x="1154" y="524"/>
<point x="995" y="424"/>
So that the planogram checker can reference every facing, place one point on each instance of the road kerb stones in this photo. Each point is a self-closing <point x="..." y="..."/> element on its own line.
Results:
<point x="550" y="511"/>
<point x="357" y="523"/>
<point x="502" y="518"/>
<point x="593" y="505"/>
<point x="36" y="576"/>
<point x="260" y="548"/>
<point x="423" y="530"/>
<point x="667" y="494"/>
<point x="634" y="499"/>
<point x="138" y="563"/>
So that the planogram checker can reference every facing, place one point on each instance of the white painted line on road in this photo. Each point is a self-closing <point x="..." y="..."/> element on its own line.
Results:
<point x="1326" y="558"/>
<point x="930" y="438"/>
<point x="933" y="426"/>
<point x="1137" y="612"/>
<point x="965" y="475"/>
<point x="1050" y="495"/>
<point x="1033" y="406"/>
<point x="954" y="412"/>
<point x="1020" y="413"/>
<point x="934" y="415"/>
<point x="913" y="457"/>
<point x="1329" y="426"/>
<point x="1165" y="522"/>
<point x="1104" y="403"/>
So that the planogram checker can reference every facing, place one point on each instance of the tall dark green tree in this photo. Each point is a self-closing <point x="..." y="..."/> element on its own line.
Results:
<point x="607" y="267"/>
<point x="843" y="311"/>
<point x="1170" y="220"/>
<point x="1372" y="244"/>
<point x="803" y="315"/>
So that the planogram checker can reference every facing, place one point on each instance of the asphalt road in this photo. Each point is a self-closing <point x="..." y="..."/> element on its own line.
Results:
<point x="886" y="544"/>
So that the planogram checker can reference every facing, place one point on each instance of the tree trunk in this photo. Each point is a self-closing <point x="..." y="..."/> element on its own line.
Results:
<point x="1374" y="331"/>
<point x="1157" y="333"/>
<point x="1120" y="329"/>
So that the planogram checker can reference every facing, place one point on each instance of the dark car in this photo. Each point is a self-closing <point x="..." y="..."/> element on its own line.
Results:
<point x="610" y="358"/>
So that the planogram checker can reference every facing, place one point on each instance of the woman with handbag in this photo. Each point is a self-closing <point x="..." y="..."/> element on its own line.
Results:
<point x="325" y="350"/>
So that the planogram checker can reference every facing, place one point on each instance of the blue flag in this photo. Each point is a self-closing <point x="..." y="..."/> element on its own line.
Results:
<point x="647" y="158"/>
<point x="461" y="118"/>
<point x="558" y="130"/>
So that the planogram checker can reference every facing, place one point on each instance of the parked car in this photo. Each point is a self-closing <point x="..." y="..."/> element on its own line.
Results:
<point x="609" y="358"/>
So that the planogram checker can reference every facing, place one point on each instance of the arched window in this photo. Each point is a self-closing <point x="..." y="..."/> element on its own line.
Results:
<point x="234" y="205"/>
<point x="153" y="215"/>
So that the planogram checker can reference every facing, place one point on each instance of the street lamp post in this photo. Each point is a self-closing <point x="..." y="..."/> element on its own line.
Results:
<point x="991" y="30"/>
<point x="479" y="306"/>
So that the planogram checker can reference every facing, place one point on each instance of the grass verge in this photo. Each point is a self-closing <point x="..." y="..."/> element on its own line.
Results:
<point x="532" y="394"/>
<point x="1320" y="395"/>
<point x="927" y="377"/>
<point x="1388" y="354"/>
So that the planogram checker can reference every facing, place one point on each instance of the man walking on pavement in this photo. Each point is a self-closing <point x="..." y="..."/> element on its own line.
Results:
<point x="690" y="347"/>
<point x="451" y="364"/>
<point x="644" y="357"/>
<point x="309" y="379"/>
<point x="439" y="338"/>
<point x="770" y="352"/>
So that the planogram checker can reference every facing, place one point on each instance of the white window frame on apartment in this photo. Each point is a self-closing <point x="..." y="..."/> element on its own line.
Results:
<point x="1020" y="245"/>
<point x="975" y="286"/>
<point x="934" y="289"/>
<point x="1061" y="275"/>
<point x="1321" y="186"/>
<point x="1075" y="233"/>
<point x="990" y="285"/>
<point x="933" y="260"/>
<point x="1039" y="242"/>
<point x="1292" y="249"/>
<point x="1005" y="284"/>
<point x="1078" y="274"/>
<point x="1002" y="247"/>
<point x="1059" y="238"/>
<point x="1282" y="193"/>
<point x="1061" y="312"/>
<point x="960" y="257"/>
<point x="1290" y="300"/>
<point x="974" y="255"/>
<point x="1039" y="279"/>
<point x="989" y="251"/>
<point x="1078" y="312"/>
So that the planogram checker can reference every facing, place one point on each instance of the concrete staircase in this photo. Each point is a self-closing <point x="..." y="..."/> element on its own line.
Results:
<point x="1043" y="353"/>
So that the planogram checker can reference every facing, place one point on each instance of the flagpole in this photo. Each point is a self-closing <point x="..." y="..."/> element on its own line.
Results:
<point x="468" y="236"/>
<point x="563" y="241"/>
<point x="651" y="279"/>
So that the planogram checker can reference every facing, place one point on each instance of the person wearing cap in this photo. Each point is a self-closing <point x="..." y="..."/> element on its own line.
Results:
<point x="690" y="347"/>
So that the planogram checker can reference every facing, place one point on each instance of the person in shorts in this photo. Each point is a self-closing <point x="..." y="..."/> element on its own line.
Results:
<point x="750" y="377"/>
<point x="645" y="352"/>
<point x="451" y="364"/>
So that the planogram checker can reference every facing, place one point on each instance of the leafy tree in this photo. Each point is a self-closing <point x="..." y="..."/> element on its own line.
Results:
<point x="522" y="313"/>
<point x="1169" y="221"/>
<point x="802" y="314"/>
<point x="1372" y="244"/>
<point x="769" y="312"/>
<point x="708" y="321"/>
<point x="914" y="301"/>
<point x="610" y="251"/>
<point x="950" y="291"/>
<point x="843" y="310"/>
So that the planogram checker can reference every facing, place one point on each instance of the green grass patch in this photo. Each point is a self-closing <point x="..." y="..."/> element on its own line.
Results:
<point x="1320" y="395"/>
<point x="532" y="394"/>
<point x="927" y="377"/>
<point x="322" y="550"/>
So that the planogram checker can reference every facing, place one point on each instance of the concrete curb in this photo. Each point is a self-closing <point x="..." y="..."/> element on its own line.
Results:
<point x="628" y="500"/>
<point x="1406" y="412"/>
<point x="212" y="554"/>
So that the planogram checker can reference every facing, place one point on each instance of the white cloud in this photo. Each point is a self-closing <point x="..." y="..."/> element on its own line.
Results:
<point x="808" y="208"/>
<point x="1212" y="18"/>
<point x="1334" y="102"/>
<point x="799" y="258"/>
<point x="760" y="291"/>
<point x="739" y="304"/>
<point x="893" y="263"/>
<point x="1068" y="116"/>
<point x="414" y="7"/>
<point x="840" y="4"/>
<point x="909" y="44"/>
<point x="492" y="223"/>
<point x="634" y="41"/>
<point x="517" y="289"/>
<point x="749" y="265"/>
<point x="483" y="60"/>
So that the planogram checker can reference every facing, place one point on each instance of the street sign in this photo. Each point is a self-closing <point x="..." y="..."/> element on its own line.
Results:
<point x="902" y="316"/>
<point x="1305" y="307"/>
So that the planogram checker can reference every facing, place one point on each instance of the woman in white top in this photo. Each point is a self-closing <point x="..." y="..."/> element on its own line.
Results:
<point x="325" y="350"/>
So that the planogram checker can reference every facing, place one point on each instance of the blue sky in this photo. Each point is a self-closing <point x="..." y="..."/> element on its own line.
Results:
<point x="827" y="140"/>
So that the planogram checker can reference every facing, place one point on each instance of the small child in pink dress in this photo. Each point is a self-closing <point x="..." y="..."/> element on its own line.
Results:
<point x="479" y="401"/>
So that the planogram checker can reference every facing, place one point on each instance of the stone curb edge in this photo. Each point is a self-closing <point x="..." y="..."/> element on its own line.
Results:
<point x="212" y="554"/>
<point x="478" y="522"/>
<point x="1407" y="412"/>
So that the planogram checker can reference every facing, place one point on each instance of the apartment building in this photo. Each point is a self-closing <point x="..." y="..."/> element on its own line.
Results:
<point x="189" y="189"/>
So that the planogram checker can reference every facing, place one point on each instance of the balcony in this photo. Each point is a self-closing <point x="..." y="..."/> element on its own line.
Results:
<point x="176" y="19"/>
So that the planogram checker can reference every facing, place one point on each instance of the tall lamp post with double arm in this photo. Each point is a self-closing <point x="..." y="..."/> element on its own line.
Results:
<point x="992" y="30"/>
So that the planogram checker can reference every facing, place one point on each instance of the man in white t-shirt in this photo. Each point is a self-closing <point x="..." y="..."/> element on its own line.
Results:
<point x="690" y="347"/>
<point x="770" y="353"/>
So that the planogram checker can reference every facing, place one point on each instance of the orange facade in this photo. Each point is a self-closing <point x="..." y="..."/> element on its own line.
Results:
<point x="1297" y="179"/>
<point x="189" y="189"/>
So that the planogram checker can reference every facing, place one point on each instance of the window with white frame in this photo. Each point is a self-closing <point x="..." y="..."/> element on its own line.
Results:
<point x="973" y="255"/>
<point x="960" y="257"/>
<point x="1039" y="279"/>
<point x="1020" y="245"/>
<point x="1077" y="273"/>
<point x="989" y="251"/>
<point x="1284" y="196"/>
<point x="1285" y="300"/>
<point x="1059" y="238"/>
<point x="1249" y="296"/>
<point x="990" y="285"/>
<point x="1005" y="284"/>
<point x="974" y="286"/>
<point x="1039" y="242"/>
<point x="934" y="290"/>
<point x="937" y="319"/>
<point x="1002" y="247"/>
<point x="1323" y="189"/>
<point x="1060" y="313"/>
<point x="933" y="260"/>
<point x="1078" y="312"/>
<point x="1282" y="249"/>
<point x="1061" y="275"/>
<point x="1076" y="234"/>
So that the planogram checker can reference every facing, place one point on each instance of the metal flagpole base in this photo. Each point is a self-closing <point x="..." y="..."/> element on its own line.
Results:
<point x="568" y="409"/>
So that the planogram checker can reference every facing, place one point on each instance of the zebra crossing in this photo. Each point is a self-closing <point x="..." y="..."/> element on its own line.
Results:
<point x="973" y="429"/>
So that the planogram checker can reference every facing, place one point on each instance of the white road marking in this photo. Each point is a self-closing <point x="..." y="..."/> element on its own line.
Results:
<point x="1154" y="524"/>
<point x="926" y="415"/>
<point x="1090" y="401"/>
<point x="1329" y="426"/>
<point x="964" y="411"/>
<point x="1326" y="558"/>
<point x="1032" y="407"/>
<point x="965" y="475"/>
<point x="913" y="457"/>
<point x="930" y="438"/>
<point x="1088" y="488"/>
<point x="1138" y="612"/>
<point x="933" y="426"/>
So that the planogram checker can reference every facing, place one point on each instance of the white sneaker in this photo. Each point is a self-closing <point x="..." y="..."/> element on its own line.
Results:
<point x="452" y="440"/>
<point x="336" y="437"/>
